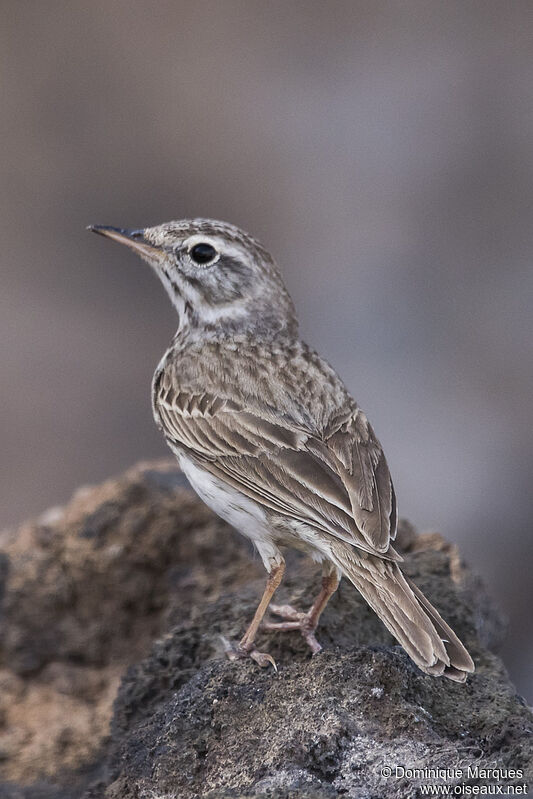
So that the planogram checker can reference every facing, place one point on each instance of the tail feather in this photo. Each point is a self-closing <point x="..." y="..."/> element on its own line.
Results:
<point x="459" y="657"/>
<point x="406" y="612"/>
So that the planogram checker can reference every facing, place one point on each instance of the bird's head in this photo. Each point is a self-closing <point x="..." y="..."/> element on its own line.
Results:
<point x="219" y="278"/>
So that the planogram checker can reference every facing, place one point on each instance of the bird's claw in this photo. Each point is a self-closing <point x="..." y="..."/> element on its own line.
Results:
<point x="311" y="641"/>
<point x="238" y="652"/>
<point x="263" y="659"/>
<point x="296" y="620"/>
<point x="286" y="612"/>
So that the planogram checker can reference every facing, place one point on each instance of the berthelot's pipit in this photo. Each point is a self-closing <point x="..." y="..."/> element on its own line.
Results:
<point x="272" y="441"/>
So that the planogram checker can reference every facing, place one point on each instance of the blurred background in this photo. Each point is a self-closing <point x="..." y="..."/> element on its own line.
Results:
<point x="381" y="150"/>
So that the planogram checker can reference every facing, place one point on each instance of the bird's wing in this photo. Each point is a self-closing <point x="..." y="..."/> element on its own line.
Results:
<point x="353" y="450"/>
<point x="337" y="482"/>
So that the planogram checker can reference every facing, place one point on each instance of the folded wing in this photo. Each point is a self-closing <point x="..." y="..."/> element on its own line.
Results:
<point x="337" y="481"/>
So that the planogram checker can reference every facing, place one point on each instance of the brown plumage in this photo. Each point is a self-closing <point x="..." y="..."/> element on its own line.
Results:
<point x="271" y="439"/>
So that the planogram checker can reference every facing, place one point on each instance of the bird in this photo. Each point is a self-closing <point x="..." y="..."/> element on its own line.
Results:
<point x="272" y="441"/>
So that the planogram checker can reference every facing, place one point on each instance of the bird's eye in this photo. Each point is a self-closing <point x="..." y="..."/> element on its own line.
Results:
<point x="203" y="253"/>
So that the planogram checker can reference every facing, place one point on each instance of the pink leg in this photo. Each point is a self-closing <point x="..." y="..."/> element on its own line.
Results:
<point x="246" y="646"/>
<point x="306" y="623"/>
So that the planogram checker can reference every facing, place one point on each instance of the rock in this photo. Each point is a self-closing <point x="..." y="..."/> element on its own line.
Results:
<point x="131" y="586"/>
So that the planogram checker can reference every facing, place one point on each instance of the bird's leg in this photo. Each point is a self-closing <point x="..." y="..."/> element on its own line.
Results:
<point x="246" y="646"/>
<point x="307" y="623"/>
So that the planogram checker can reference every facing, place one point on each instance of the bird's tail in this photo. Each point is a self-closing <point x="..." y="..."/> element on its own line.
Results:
<point x="406" y="612"/>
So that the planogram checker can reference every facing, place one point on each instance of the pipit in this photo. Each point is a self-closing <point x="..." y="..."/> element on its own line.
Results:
<point x="270" y="438"/>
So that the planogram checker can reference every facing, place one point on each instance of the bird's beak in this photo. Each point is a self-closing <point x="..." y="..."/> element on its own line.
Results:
<point x="134" y="239"/>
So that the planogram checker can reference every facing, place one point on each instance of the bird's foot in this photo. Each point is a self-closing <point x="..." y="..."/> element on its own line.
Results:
<point x="240" y="651"/>
<point x="295" y="620"/>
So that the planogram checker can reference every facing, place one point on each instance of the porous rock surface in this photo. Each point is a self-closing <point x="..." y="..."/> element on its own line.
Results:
<point x="113" y="683"/>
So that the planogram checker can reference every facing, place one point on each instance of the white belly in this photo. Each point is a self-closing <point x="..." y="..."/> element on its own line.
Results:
<point x="242" y="513"/>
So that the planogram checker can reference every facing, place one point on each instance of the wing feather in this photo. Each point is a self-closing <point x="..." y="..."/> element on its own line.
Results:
<point x="338" y="482"/>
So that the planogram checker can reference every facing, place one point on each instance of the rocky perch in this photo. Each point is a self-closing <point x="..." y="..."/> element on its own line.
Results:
<point x="113" y="684"/>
